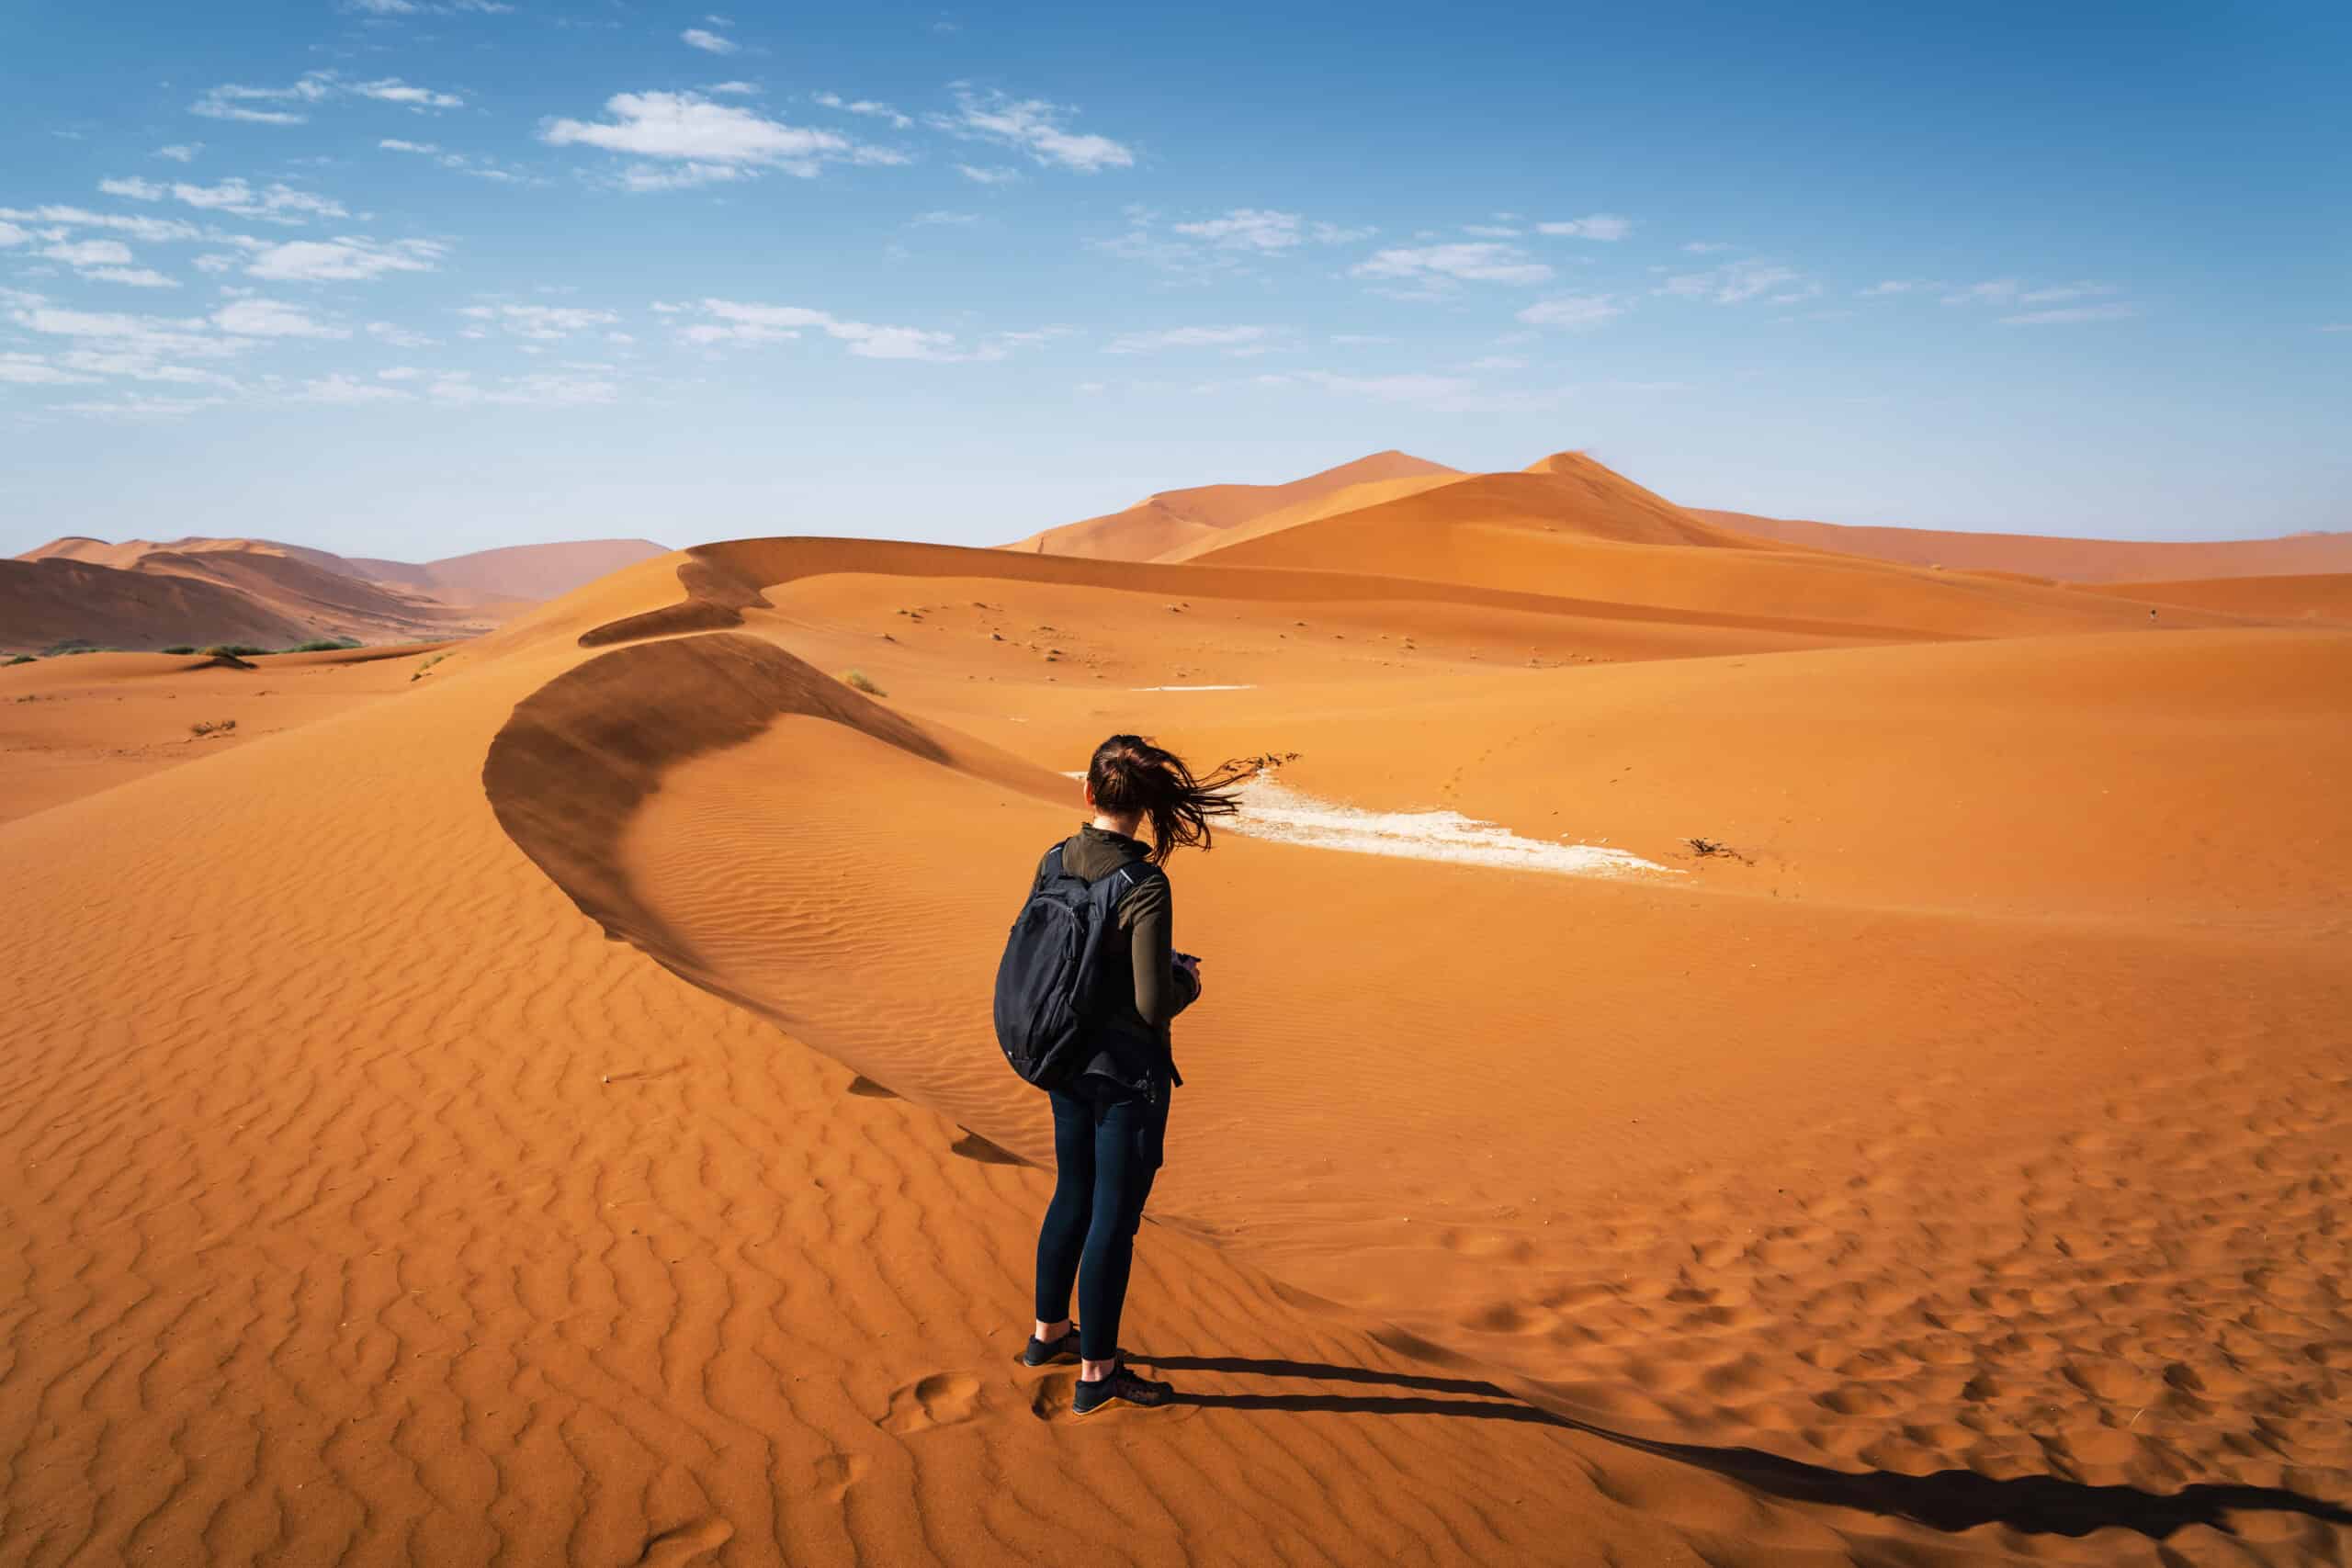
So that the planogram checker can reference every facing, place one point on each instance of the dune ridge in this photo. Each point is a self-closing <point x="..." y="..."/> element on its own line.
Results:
<point x="1170" y="519"/>
<point x="2055" y="557"/>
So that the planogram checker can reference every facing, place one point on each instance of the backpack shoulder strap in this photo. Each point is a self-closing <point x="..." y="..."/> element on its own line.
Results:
<point x="1124" y="879"/>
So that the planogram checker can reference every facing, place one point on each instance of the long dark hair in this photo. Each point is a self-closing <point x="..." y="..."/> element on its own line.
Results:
<point x="1129" y="773"/>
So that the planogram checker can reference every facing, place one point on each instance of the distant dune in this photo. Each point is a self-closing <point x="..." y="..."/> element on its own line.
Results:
<point x="263" y="591"/>
<point x="2318" y="596"/>
<point x="2066" y="559"/>
<point x="1175" y="519"/>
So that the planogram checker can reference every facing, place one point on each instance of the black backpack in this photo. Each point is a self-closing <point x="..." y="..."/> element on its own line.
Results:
<point x="1045" y="982"/>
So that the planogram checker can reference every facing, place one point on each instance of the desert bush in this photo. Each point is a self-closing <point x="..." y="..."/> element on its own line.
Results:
<point x="232" y="650"/>
<point x="22" y="659"/>
<point x="323" y="644"/>
<point x="181" y="648"/>
<point x="418" y="673"/>
<point x="223" y="727"/>
<point x="858" y="680"/>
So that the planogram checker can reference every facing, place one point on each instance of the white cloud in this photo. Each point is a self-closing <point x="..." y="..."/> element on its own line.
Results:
<point x="1732" y="284"/>
<point x="1596" y="226"/>
<point x="1439" y="267"/>
<point x="133" y="277"/>
<point x="732" y="322"/>
<point x="151" y="230"/>
<point x="345" y="259"/>
<point x="394" y="144"/>
<point x="1492" y="230"/>
<point x="278" y="204"/>
<point x="398" y="336"/>
<point x="709" y="43"/>
<point x="2113" y="312"/>
<point x="1498" y="362"/>
<point x="138" y="405"/>
<point x="542" y="323"/>
<point x="1187" y="337"/>
<point x="288" y="105"/>
<point x="952" y="219"/>
<point x="546" y="388"/>
<point x="1705" y="247"/>
<point x="734" y="89"/>
<point x="12" y="236"/>
<point x="80" y="254"/>
<point x="991" y="175"/>
<point x="271" y="318"/>
<point x="180" y="152"/>
<point x="341" y="388"/>
<point x="2338" y="327"/>
<point x="1248" y="229"/>
<point x="705" y="137"/>
<point x="32" y="370"/>
<point x="1353" y="340"/>
<point x="1574" y="312"/>
<point x="2059" y="293"/>
<point x="640" y="178"/>
<point x="866" y="106"/>
<point x="216" y="263"/>
<point x="1995" y="292"/>
<point x="1896" y="286"/>
<point x="1034" y="126"/>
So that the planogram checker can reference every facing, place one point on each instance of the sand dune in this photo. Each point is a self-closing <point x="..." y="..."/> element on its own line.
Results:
<point x="2065" y="560"/>
<point x="1952" y="1176"/>
<point x="272" y="594"/>
<point x="1173" y="519"/>
<point x="1571" y="527"/>
<point x="2319" y="596"/>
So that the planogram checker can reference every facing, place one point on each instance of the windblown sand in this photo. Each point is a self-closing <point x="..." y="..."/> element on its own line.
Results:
<point x="545" y="1112"/>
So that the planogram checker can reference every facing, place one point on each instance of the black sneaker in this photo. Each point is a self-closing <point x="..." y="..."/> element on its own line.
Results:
<point x="1122" y="1385"/>
<point x="1038" y="1353"/>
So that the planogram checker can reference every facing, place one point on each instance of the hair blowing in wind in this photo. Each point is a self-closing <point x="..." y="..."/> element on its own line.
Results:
<point x="1129" y="773"/>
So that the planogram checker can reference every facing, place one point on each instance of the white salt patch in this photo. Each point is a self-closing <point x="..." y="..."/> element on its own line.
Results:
<point x="1271" y="811"/>
<point x="1250" y="688"/>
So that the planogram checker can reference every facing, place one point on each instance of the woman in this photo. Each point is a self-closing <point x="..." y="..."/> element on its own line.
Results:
<point x="1111" y="1120"/>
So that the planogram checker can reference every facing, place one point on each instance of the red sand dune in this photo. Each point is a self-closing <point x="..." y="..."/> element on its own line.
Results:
<point x="546" y="1110"/>
<point x="273" y="593"/>
<point x="1173" y="519"/>
<point x="2073" y="560"/>
<point x="2319" y="596"/>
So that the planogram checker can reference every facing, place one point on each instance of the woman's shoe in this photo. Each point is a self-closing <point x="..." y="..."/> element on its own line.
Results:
<point x="1122" y="1385"/>
<point x="1038" y="1353"/>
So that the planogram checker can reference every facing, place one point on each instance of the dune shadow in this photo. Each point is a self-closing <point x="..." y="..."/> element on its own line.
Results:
<point x="1948" y="1500"/>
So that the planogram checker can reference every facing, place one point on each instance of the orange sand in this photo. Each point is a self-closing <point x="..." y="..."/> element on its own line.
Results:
<point x="2075" y="560"/>
<point x="1953" y="1177"/>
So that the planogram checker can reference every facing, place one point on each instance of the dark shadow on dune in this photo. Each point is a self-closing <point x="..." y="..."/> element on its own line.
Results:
<point x="1946" y="1500"/>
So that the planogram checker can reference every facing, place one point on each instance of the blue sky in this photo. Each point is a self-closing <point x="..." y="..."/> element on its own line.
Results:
<point x="410" y="278"/>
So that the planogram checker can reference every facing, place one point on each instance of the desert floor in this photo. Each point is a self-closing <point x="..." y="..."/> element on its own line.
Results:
<point x="544" y="1110"/>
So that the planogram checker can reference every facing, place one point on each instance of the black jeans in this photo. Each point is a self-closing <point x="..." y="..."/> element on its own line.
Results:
<point x="1107" y="1147"/>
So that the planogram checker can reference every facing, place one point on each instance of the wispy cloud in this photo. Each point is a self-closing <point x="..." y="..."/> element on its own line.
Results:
<point x="341" y="389"/>
<point x="277" y="204"/>
<point x="730" y="321"/>
<point x="706" y="142"/>
<point x="1706" y="247"/>
<point x="1897" y="285"/>
<point x="1034" y="127"/>
<point x="290" y="105"/>
<point x="542" y="324"/>
<point x="463" y="162"/>
<point x="991" y="175"/>
<point x="867" y="107"/>
<point x="709" y="43"/>
<point x="1227" y="338"/>
<point x="1254" y="229"/>
<point x="148" y="231"/>
<point x="345" y="259"/>
<point x="1439" y="268"/>
<point x="1574" y="312"/>
<point x="180" y="152"/>
<point x="272" y="318"/>
<point x="1594" y="226"/>
<point x="2114" y="310"/>
<point x="957" y="219"/>
<point x="1732" y="284"/>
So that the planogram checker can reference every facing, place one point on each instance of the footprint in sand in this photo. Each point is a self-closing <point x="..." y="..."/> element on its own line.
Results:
<point x="943" y="1399"/>
<point x="682" y="1544"/>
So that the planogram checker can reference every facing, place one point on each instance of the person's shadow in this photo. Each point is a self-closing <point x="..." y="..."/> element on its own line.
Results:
<point x="1947" y="1500"/>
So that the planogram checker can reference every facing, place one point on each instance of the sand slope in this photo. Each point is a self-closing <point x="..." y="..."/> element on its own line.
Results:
<point x="1173" y="519"/>
<point x="266" y="592"/>
<point x="2076" y="561"/>
<point x="1969" y="1200"/>
<point x="2319" y="596"/>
